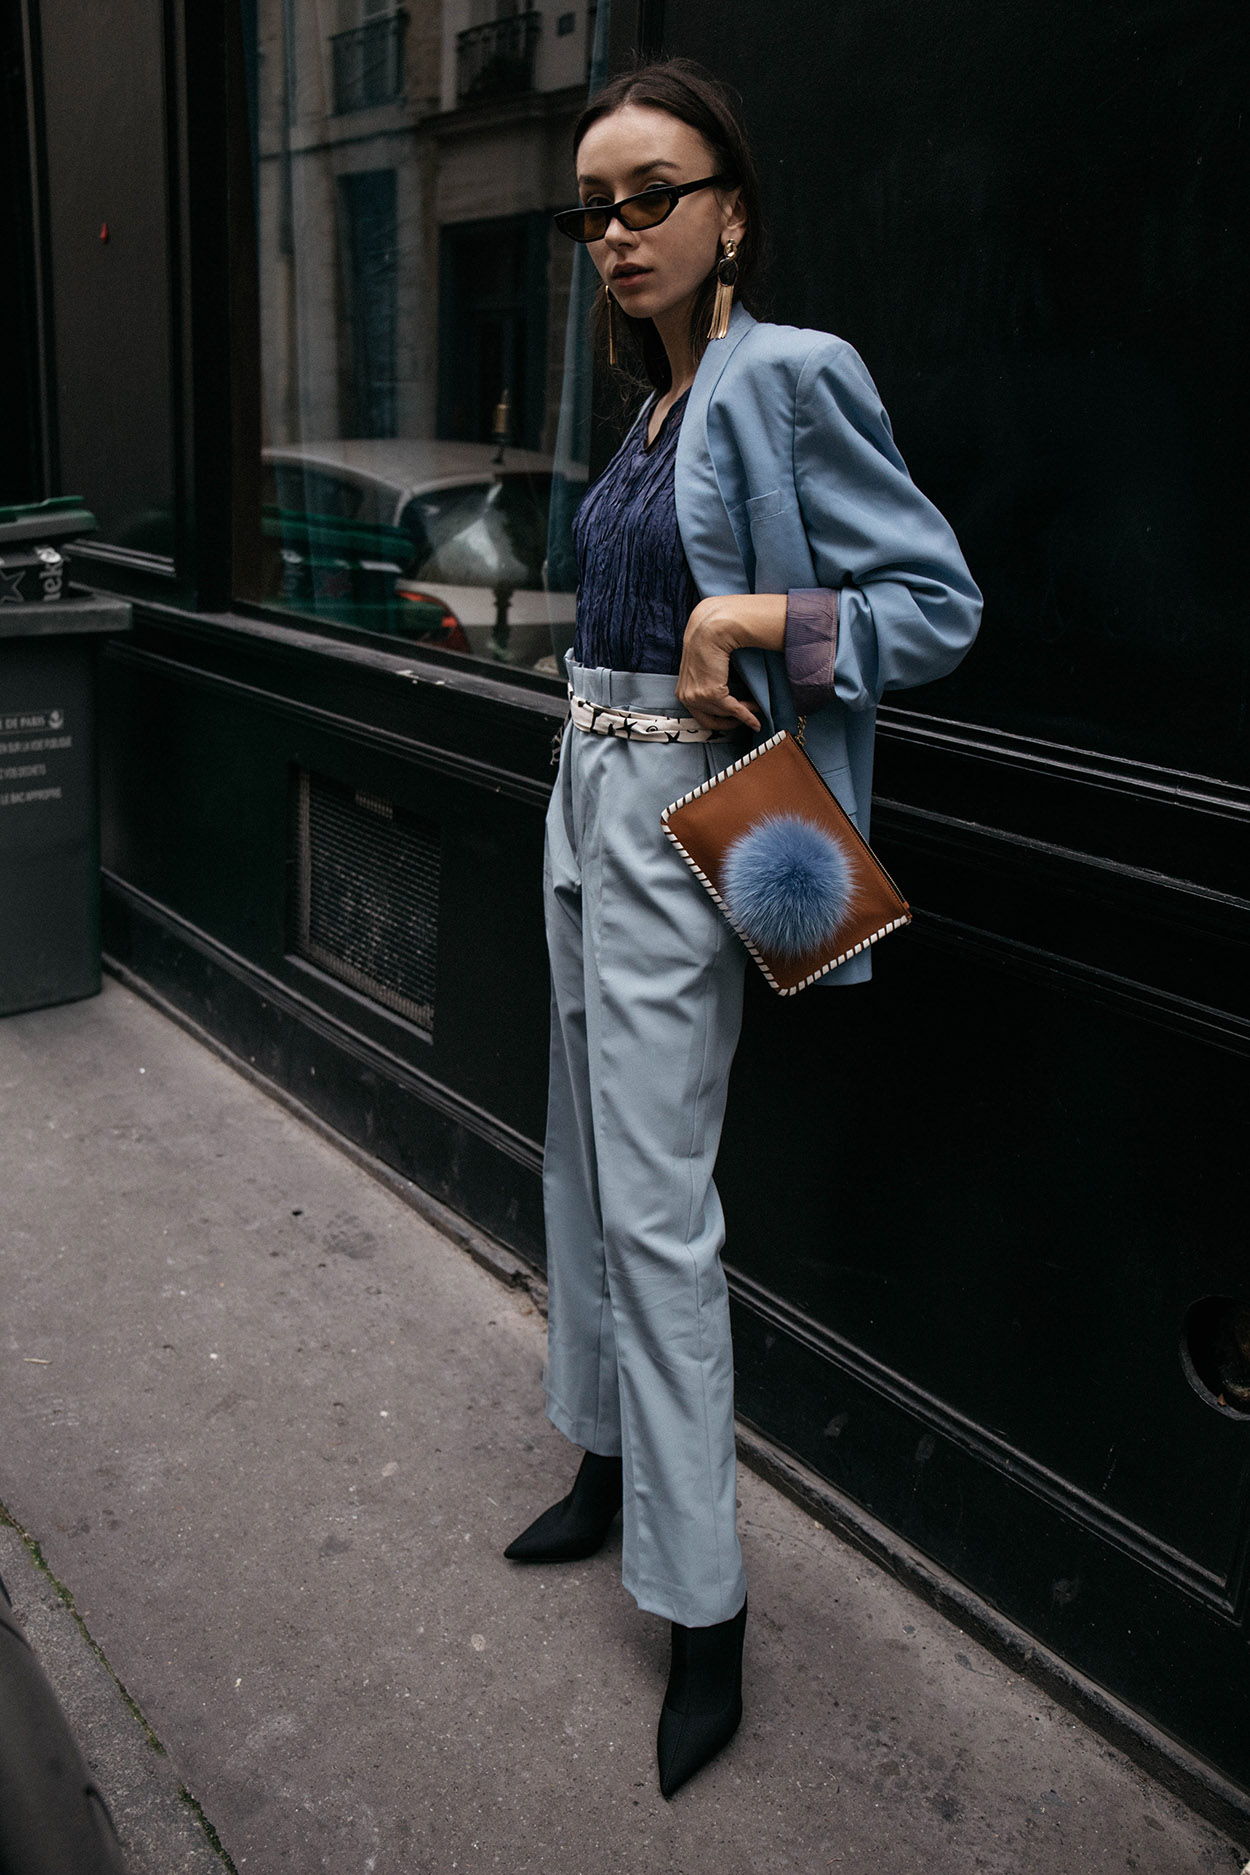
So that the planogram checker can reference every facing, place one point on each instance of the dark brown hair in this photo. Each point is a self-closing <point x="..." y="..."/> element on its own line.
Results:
<point x="694" y="97"/>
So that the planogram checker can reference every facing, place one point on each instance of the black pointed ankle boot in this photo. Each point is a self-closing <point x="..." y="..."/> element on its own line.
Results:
<point x="578" y="1525"/>
<point x="703" y="1705"/>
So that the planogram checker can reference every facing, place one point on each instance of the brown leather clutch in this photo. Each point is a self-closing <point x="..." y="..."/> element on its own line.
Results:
<point x="791" y="872"/>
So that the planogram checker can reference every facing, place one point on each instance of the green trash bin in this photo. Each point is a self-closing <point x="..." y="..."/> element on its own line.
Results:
<point x="49" y="784"/>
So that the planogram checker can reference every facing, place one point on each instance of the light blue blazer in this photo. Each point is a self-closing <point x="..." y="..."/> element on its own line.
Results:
<point x="788" y="478"/>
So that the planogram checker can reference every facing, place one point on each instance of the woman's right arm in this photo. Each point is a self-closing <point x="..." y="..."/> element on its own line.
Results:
<point x="905" y="606"/>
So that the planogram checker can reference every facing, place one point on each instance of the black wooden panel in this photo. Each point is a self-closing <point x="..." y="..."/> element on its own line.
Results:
<point x="1184" y="948"/>
<point x="199" y="775"/>
<point x="1130" y="814"/>
<point x="951" y="1215"/>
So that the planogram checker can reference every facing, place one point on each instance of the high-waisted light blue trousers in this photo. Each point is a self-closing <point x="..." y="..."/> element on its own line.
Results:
<point x="646" y="1008"/>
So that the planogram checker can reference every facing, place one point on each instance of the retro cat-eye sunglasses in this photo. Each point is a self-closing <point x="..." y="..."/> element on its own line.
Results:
<point x="636" y="212"/>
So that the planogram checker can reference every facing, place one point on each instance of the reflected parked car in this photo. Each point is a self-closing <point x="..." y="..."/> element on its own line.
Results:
<point x="442" y="542"/>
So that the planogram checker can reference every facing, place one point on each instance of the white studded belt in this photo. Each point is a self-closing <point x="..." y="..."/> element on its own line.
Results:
<point x="639" y="725"/>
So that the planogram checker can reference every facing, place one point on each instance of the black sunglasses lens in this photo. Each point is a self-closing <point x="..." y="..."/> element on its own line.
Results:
<point x="649" y="210"/>
<point x="644" y="211"/>
<point x="576" y="223"/>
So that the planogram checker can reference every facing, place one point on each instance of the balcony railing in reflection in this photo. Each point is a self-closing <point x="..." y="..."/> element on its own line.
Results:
<point x="497" y="60"/>
<point x="368" y="64"/>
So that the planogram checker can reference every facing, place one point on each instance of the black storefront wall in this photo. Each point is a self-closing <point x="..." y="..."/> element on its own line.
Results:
<point x="1010" y="1167"/>
<point x="976" y="1320"/>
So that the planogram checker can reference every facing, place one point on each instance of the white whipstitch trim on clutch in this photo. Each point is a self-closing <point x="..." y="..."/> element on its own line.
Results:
<point x="895" y="924"/>
<point x="638" y="725"/>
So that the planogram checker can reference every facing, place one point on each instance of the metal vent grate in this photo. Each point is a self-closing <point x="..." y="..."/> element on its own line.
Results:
<point x="367" y="877"/>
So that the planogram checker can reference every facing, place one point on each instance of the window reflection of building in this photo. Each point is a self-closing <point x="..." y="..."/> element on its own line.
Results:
<point x="367" y="218"/>
<point x="492" y="333"/>
<point x="495" y="57"/>
<point x="412" y="285"/>
<point x="409" y="160"/>
<point x="368" y="59"/>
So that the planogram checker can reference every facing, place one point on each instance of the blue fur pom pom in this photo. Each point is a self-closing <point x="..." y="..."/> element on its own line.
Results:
<point x="788" y="884"/>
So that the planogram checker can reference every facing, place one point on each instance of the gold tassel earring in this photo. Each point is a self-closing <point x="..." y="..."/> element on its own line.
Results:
<point x="726" y="281"/>
<point x="607" y="300"/>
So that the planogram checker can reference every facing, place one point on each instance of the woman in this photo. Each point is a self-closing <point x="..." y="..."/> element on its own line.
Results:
<point x="756" y="549"/>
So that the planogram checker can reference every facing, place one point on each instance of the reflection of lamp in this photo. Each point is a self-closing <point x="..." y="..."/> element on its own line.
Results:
<point x="503" y="424"/>
<point x="501" y="631"/>
<point x="484" y="554"/>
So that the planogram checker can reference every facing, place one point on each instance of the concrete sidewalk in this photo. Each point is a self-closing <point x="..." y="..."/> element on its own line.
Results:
<point x="271" y="1431"/>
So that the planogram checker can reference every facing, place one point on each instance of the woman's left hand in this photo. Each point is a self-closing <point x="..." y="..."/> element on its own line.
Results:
<point x="715" y="629"/>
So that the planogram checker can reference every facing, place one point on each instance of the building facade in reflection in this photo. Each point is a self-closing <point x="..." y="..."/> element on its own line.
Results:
<point x="409" y="160"/>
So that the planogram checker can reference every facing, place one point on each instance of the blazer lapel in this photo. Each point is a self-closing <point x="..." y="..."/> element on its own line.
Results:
<point x="702" y="517"/>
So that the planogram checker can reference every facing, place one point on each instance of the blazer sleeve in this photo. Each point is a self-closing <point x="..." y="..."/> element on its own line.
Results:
<point x="908" y="607"/>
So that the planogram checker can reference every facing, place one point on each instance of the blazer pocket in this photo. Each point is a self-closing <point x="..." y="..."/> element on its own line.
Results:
<point x="763" y="507"/>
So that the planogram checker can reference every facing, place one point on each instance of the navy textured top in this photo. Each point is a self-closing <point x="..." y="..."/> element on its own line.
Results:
<point x="634" y="590"/>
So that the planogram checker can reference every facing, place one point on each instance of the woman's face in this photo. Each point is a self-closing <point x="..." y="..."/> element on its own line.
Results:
<point x="657" y="270"/>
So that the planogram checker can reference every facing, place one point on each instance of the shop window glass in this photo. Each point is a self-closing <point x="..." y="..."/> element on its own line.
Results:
<point x="424" y="378"/>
